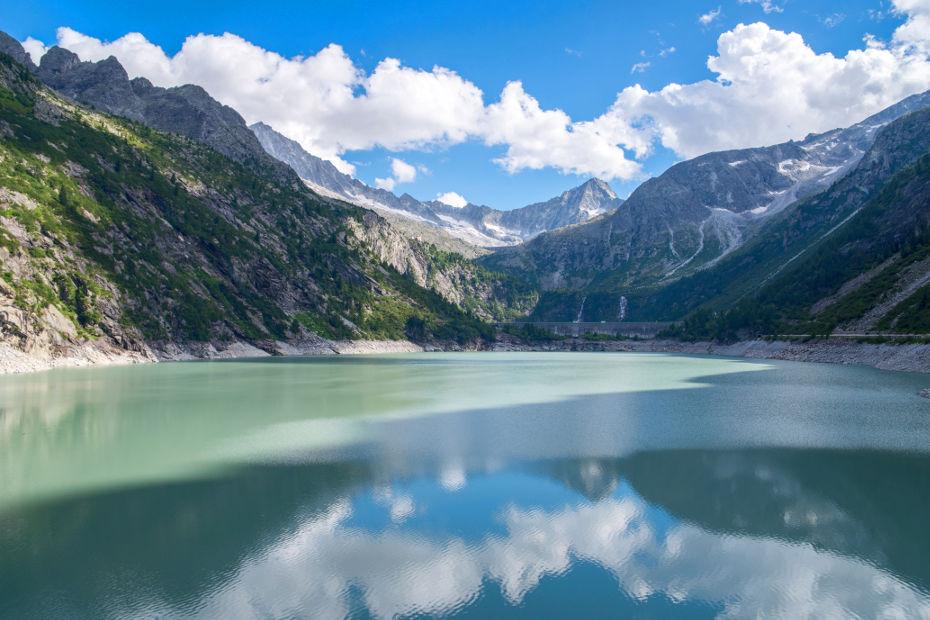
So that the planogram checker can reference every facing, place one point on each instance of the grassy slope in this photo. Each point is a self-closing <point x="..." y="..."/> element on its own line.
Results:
<point x="889" y="236"/>
<point x="188" y="245"/>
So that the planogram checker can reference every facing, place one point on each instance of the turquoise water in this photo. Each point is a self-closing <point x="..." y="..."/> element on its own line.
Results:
<point x="465" y="485"/>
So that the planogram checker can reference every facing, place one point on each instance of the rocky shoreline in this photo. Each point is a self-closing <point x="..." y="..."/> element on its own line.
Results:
<point x="15" y="361"/>
<point x="898" y="357"/>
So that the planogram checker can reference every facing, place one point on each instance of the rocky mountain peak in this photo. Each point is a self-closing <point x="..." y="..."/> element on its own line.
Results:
<point x="591" y="196"/>
<point x="580" y="204"/>
<point x="475" y="224"/>
<point x="599" y="185"/>
<point x="188" y="110"/>
<point x="141" y="85"/>
<point x="57" y="60"/>
<point x="700" y="211"/>
<point x="112" y="68"/>
<point x="13" y="48"/>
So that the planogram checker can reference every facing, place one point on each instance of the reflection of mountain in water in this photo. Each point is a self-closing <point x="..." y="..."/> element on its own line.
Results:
<point x="158" y="544"/>
<point x="869" y="505"/>
<point x="594" y="478"/>
<point x="294" y="536"/>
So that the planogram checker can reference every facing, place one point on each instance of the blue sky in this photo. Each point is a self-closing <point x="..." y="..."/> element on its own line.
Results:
<point x="572" y="56"/>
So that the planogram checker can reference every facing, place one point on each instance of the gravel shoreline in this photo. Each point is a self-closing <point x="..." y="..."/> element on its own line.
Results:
<point x="899" y="357"/>
<point x="15" y="361"/>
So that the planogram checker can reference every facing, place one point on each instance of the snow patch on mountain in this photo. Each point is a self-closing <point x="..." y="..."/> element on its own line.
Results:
<point x="478" y="225"/>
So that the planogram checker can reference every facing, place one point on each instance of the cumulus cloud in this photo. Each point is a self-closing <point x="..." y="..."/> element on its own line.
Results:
<point x="330" y="106"/>
<point x="323" y="100"/>
<point x="538" y="138"/>
<point x="768" y="86"/>
<point x="771" y="86"/>
<point x="401" y="172"/>
<point x="35" y="48"/>
<point x="915" y="33"/>
<point x="387" y="183"/>
<point x="452" y="199"/>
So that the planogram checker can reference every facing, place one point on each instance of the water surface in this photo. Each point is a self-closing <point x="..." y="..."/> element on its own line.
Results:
<point x="465" y="485"/>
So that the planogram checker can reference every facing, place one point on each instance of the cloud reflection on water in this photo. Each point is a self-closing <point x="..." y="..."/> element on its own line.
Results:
<point x="400" y="573"/>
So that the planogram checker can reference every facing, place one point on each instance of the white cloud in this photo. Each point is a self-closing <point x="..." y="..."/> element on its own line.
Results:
<point x="387" y="183"/>
<point x="323" y="100"/>
<point x="914" y="34"/>
<point x="35" y="48"/>
<point x="538" y="138"/>
<point x="769" y="86"/>
<point x="709" y="17"/>
<point x="768" y="6"/>
<point x="403" y="172"/>
<point x="452" y="199"/>
<point x="330" y="106"/>
<point x="640" y="67"/>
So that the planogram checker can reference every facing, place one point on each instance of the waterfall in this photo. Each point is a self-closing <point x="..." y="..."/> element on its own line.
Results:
<point x="621" y="315"/>
<point x="581" y="309"/>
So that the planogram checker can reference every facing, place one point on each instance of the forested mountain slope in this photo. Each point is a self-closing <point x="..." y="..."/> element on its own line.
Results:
<point x="115" y="233"/>
<point x="691" y="218"/>
<point x="787" y="237"/>
<point x="869" y="274"/>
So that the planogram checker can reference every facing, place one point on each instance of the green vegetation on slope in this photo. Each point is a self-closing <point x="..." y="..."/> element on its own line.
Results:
<point x="861" y="267"/>
<point x="132" y="233"/>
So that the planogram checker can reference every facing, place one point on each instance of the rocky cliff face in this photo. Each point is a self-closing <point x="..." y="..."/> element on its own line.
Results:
<point x="851" y="259"/>
<point x="488" y="295"/>
<point x="12" y="48"/>
<point x="592" y="199"/>
<point x="477" y="225"/>
<point x="695" y="214"/>
<point x="786" y="240"/>
<point x="186" y="110"/>
<point x="116" y="235"/>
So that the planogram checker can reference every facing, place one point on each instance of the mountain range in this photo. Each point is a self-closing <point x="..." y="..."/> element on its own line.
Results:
<point x="148" y="219"/>
<point x="696" y="213"/>
<point x="705" y="218"/>
<point x="155" y="219"/>
<point x="851" y="259"/>
<point x="477" y="225"/>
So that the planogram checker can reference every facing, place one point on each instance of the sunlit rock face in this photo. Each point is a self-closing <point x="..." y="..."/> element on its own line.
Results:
<point x="477" y="225"/>
<point x="699" y="211"/>
<point x="187" y="110"/>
